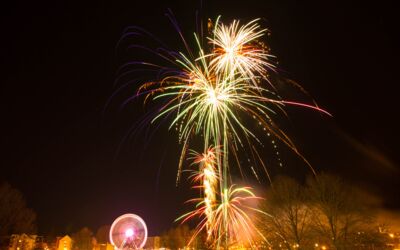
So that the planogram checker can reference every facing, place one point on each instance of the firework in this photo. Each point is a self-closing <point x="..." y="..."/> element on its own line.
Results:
<point x="209" y="180"/>
<point x="232" y="221"/>
<point x="207" y="93"/>
<point x="236" y="49"/>
<point x="225" y="218"/>
<point x="233" y="216"/>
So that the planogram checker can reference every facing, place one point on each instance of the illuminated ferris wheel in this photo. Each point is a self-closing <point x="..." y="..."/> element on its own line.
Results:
<point x="128" y="231"/>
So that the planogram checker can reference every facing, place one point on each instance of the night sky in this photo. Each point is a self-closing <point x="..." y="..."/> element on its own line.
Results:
<point x="73" y="158"/>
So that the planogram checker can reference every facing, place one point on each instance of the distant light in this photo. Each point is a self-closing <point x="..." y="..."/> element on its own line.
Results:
<point x="129" y="232"/>
<point x="391" y="235"/>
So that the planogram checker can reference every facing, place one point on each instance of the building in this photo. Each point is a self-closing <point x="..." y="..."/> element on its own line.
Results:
<point x="22" y="242"/>
<point x="64" y="243"/>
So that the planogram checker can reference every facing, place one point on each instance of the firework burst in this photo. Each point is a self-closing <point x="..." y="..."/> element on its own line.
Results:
<point x="233" y="220"/>
<point x="236" y="49"/>
<point x="207" y="95"/>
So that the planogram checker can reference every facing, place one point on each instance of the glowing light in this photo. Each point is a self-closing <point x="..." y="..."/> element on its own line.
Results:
<point x="212" y="98"/>
<point x="129" y="232"/>
<point x="124" y="228"/>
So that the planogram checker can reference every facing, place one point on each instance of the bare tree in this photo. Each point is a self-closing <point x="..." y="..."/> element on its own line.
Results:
<point x="15" y="217"/>
<point x="339" y="210"/>
<point x="289" y="215"/>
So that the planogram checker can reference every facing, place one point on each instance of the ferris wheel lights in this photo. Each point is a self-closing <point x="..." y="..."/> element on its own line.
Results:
<point x="129" y="233"/>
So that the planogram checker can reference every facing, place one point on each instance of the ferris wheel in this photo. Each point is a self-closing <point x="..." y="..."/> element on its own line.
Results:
<point x="128" y="231"/>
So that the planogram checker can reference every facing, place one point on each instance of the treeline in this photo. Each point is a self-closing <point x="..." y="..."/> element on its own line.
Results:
<point x="324" y="213"/>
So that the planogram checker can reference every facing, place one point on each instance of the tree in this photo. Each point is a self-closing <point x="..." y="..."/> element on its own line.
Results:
<point x="102" y="235"/>
<point x="339" y="210"/>
<point x="288" y="218"/>
<point x="15" y="217"/>
<point x="83" y="239"/>
<point x="177" y="237"/>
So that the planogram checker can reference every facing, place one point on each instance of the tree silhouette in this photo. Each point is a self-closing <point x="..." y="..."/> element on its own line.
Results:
<point x="288" y="216"/>
<point x="83" y="239"/>
<point x="15" y="217"/>
<point x="326" y="211"/>
<point x="339" y="210"/>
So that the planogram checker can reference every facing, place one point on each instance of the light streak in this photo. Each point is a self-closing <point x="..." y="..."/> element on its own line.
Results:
<point x="208" y="178"/>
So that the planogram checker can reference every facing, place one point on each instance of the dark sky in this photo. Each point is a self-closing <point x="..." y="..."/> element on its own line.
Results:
<point x="66" y="152"/>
